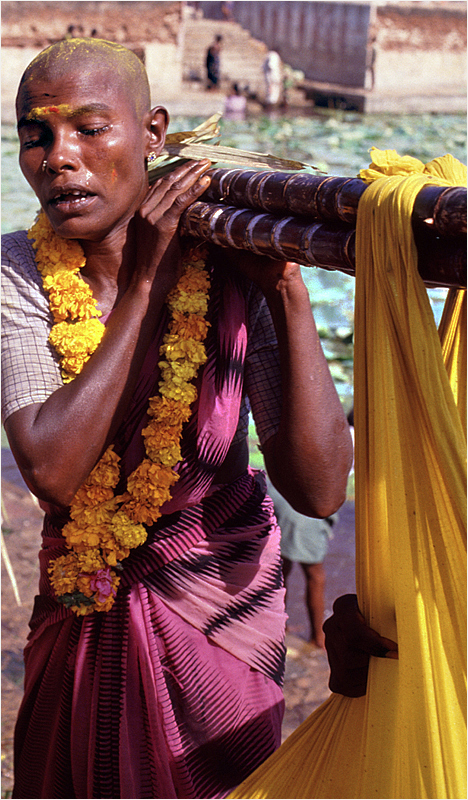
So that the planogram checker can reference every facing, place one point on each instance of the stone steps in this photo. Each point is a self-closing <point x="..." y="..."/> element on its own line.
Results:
<point x="242" y="56"/>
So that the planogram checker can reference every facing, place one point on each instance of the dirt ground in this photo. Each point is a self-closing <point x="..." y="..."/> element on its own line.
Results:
<point x="21" y="526"/>
<point x="306" y="669"/>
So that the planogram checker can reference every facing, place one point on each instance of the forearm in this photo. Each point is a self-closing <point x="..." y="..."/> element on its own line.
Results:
<point x="56" y="444"/>
<point x="310" y="456"/>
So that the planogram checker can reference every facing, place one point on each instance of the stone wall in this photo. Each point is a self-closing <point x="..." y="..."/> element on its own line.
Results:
<point x="420" y="46"/>
<point x="326" y="40"/>
<point x="154" y="30"/>
<point x="381" y="56"/>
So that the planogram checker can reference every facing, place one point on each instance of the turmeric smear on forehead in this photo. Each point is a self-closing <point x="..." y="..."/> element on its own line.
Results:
<point x="43" y="111"/>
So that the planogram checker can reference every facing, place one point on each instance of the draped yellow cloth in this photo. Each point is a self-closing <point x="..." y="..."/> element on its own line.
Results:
<point x="407" y="737"/>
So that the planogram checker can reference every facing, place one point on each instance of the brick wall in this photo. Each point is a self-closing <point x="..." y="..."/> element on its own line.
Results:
<point x="34" y="24"/>
<point x="154" y="30"/>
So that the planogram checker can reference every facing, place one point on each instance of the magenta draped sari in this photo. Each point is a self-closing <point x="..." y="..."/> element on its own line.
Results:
<point x="175" y="692"/>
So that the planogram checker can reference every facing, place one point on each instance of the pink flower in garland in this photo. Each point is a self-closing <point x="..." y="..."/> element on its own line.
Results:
<point x="101" y="583"/>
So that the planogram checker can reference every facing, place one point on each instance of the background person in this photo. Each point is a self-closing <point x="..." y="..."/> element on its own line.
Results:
<point x="273" y="74"/>
<point x="304" y="540"/>
<point x="235" y="104"/>
<point x="213" y="63"/>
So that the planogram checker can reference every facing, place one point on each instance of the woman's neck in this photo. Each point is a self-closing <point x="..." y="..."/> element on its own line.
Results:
<point x="109" y="266"/>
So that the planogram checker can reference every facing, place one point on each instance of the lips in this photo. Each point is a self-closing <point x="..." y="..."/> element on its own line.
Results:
<point x="69" y="197"/>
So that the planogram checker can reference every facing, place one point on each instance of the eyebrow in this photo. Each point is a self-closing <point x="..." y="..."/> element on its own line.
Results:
<point x="37" y="114"/>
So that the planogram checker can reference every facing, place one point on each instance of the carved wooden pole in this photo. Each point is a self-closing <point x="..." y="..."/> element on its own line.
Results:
<point x="311" y="219"/>
<point x="327" y="198"/>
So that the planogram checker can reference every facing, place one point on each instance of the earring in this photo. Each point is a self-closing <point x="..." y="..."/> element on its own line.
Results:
<point x="152" y="158"/>
<point x="44" y="165"/>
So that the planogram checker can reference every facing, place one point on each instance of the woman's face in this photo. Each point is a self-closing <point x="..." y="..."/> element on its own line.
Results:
<point x="83" y="147"/>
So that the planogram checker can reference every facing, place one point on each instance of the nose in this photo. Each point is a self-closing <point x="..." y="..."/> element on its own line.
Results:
<point x="61" y="154"/>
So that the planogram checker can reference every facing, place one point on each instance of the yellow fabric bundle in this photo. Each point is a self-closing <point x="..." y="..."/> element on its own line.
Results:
<point x="407" y="737"/>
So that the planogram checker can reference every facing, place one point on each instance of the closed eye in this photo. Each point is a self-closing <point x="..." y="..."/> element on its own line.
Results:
<point x="94" y="131"/>
<point x="31" y="143"/>
<point x="38" y="140"/>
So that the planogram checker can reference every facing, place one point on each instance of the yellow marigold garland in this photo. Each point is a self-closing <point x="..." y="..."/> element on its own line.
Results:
<point x="104" y="527"/>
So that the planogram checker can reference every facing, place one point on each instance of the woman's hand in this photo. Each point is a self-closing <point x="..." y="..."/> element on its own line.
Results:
<point x="268" y="274"/>
<point x="350" y="643"/>
<point x="157" y="222"/>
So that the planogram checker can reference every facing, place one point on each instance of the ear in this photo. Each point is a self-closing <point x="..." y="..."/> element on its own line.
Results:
<point x="158" y="121"/>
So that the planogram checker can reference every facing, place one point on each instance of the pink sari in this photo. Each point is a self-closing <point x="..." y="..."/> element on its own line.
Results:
<point x="176" y="691"/>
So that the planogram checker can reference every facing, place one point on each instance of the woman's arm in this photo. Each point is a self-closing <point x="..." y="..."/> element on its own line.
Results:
<point x="58" y="442"/>
<point x="309" y="458"/>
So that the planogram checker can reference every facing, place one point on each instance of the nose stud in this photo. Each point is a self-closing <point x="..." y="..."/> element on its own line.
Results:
<point x="44" y="165"/>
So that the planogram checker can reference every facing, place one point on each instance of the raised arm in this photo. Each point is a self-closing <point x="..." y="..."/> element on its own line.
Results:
<point x="309" y="458"/>
<point x="58" y="442"/>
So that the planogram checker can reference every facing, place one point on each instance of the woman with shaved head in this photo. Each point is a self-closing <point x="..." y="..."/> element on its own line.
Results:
<point x="155" y="658"/>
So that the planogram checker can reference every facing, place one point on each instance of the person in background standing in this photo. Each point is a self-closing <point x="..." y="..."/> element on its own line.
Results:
<point x="273" y="72"/>
<point x="213" y="62"/>
<point x="305" y="540"/>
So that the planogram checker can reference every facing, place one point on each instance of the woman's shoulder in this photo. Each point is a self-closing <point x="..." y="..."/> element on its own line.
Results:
<point x="21" y="280"/>
<point x="16" y="240"/>
<point x="18" y="262"/>
<point x="17" y="246"/>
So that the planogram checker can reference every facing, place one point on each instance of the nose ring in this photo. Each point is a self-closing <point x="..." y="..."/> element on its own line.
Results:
<point x="44" y="165"/>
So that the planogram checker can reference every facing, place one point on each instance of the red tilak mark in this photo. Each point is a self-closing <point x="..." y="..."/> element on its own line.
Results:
<point x="54" y="109"/>
<point x="113" y="174"/>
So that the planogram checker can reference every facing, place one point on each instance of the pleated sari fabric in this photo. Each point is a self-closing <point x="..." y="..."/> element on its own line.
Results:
<point x="406" y="738"/>
<point x="175" y="692"/>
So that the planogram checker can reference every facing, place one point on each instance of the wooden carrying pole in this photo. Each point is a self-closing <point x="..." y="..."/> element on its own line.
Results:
<point x="311" y="219"/>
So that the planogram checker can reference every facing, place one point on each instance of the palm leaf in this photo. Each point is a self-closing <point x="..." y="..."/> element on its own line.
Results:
<point x="209" y="129"/>
<point x="202" y="143"/>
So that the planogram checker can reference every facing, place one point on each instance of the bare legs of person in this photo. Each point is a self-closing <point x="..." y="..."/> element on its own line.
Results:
<point x="314" y="598"/>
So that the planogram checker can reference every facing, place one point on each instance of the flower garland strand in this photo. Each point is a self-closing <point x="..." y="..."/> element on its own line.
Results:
<point x="104" y="527"/>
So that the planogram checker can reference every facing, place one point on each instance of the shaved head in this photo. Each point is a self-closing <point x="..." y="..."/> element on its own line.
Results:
<point x="86" y="56"/>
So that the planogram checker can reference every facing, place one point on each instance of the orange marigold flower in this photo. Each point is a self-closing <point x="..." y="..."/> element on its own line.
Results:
<point x="98" y="515"/>
<point x="90" y="496"/>
<point x="90" y="561"/>
<point x="164" y="409"/>
<point x="138" y="512"/>
<point x="177" y="373"/>
<point x="106" y="471"/>
<point x="126" y="532"/>
<point x="188" y="326"/>
<point x="188" y="351"/>
<point x="162" y="434"/>
<point x="196" y="303"/>
<point x="82" y="537"/>
<point x="182" y="392"/>
<point x="113" y="555"/>
<point x="63" y="573"/>
<point x="169" y="456"/>
<point x="193" y="281"/>
<point x="150" y="475"/>
<point x="83" y="584"/>
<point x="70" y="297"/>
